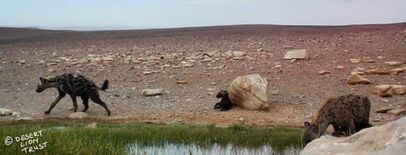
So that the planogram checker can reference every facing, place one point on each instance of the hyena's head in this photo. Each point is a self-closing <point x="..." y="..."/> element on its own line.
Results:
<point x="46" y="83"/>
<point x="222" y="94"/>
<point x="311" y="132"/>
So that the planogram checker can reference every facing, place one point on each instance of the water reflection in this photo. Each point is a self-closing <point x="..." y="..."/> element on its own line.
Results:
<point x="215" y="149"/>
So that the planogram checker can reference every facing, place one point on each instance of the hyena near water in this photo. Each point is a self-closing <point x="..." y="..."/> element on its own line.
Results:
<point x="348" y="114"/>
<point x="74" y="85"/>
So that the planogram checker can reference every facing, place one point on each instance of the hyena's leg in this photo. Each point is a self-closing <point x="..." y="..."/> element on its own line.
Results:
<point x="96" y="98"/>
<point x="60" y="96"/>
<point x="75" y="103"/>
<point x="85" y="100"/>
<point x="338" y="131"/>
<point x="351" y="128"/>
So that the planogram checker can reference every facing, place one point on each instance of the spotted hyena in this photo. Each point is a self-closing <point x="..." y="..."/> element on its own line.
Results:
<point x="348" y="114"/>
<point x="225" y="102"/>
<point x="74" y="85"/>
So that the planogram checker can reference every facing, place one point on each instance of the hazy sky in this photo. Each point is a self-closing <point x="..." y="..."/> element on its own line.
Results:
<point x="183" y="13"/>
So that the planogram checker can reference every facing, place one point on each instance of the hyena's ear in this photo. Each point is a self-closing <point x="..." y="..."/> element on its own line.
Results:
<point x="306" y="124"/>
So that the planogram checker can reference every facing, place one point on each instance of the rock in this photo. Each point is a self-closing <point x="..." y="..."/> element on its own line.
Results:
<point x="152" y="92"/>
<point x="393" y="63"/>
<point x="147" y="73"/>
<point x="380" y="57"/>
<point x="239" y="54"/>
<point x="249" y="92"/>
<point x="16" y="114"/>
<point x="181" y="82"/>
<point x="260" y="50"/>
<point x="397" y="112"/>
<point x="387" y="139"/>
<point x="275" y="92"/>
<point x="357" y="79"/>
<point x="389" y="90"/>
<point x="340" y="67"/>
<point x="355" y="61"/>
<point x="322" y="72"/>
<point x="78" y="115"/>
<point x="298" y="54"/>
<point x="5" y="112"/>
<point x="241" y="119"/>
<point x="383" y="110"/>
<point x="375" y="71"/>
<point x="24" y="119"/>
<point x="396" y="71"/>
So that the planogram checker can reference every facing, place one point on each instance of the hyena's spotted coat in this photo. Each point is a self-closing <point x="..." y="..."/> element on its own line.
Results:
<point x="348" y="114"/>
<point x="74" y="85"/>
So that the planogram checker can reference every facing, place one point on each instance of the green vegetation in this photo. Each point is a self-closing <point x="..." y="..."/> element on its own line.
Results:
<point x="114" y="139"/>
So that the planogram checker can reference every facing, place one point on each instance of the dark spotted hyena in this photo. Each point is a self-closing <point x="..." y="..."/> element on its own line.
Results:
<point x="225" y="103"/>
<point x="348" y="114"/>
<point x="74" y="85"/>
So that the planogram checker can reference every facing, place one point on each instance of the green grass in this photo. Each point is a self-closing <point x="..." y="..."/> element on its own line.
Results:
<point x="113" y="139"/>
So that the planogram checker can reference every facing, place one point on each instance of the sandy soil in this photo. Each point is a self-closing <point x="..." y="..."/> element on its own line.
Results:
<point x="136" y="59"/>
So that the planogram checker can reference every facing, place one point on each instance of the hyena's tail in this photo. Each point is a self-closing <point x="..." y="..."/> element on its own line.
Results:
<point x="105" y="85"/>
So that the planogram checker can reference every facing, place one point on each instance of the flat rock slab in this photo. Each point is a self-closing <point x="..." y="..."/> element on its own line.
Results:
<point x="5" y="112"/>
<point x="397" y="112"/>
<point x="78" y="115"/>
<point x="383" y="110"/>
<point x="152" y="92"/>
<point x="389" y="90"/>
<point x="298" y="54"/>
<point x="357" y="79"/>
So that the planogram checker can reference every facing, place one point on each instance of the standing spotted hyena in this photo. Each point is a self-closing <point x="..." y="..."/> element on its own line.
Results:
<point x="348" y="114"/>
<point x="74" y="85"/>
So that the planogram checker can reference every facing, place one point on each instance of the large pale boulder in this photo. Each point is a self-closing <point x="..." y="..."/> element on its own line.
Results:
<point x="389" y="90"/>
<point x="388" y="139"/>
<point x="249" y="92"/>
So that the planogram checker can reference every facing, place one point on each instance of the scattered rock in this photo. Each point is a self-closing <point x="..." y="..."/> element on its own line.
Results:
<point x="298" y="54"/>
<point x="147" y="73"/>
<point x="260" y="50"/>
<point x="355" y="61"/>
<point x="393" y="63"/>
<point x="152" y="92"/>
<point x="241" y="119"/>
<point x="78" y="115"/>
<point x="24" y="119"/>
<point x="16" y="114"/>
<point x="181" y="82"/>
<point x="396" y="71"/>
<point x="389" y="90"/>
<point x="5" y="112"/>
<point x="376" y="71"/>
<point x="322" y="72"/>
<point x="397" y="112"/>
<point x="275" y="92"/>
<point x="357" y="79"/>
<point x="387" y="139"/>
<point x="383" y="110"/>
<point x="249" y="92"/>
<point x="239" y="54"/>
<point x="340" y="67"/>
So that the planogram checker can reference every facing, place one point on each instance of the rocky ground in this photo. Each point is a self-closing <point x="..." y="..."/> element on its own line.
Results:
<point x="192" y="64"/>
